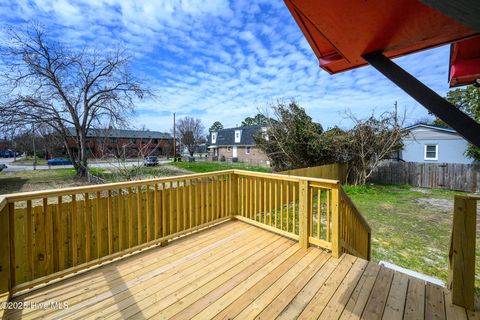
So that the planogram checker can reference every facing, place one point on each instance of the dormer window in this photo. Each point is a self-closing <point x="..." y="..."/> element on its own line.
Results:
<point x="214" y="137"/>
<point x="264" y="133"/>
<point x="238" y="136"/>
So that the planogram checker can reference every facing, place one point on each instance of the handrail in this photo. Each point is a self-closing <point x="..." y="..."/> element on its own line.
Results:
<point x="356" y="211"/>
<point x="48" y="234"/>
<point x="21" y="196"/>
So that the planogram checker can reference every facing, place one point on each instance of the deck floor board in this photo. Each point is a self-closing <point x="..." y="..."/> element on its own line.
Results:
<point x="235" y="270"/>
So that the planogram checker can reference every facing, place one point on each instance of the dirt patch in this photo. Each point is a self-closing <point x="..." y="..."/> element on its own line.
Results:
<point x="421" y="190"/>
<point x="445" y="204"/>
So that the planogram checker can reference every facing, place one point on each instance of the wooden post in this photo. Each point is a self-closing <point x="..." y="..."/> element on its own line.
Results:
<point x="461" y="275"/>
<point x="5" y="275"/>
<point x="234" y="195"/>
<point x="303" y="216"/>
<point x="336" y="238"/>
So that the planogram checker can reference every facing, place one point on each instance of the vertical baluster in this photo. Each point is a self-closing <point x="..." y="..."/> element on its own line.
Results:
<point x="242" y="196"/>
<point x="47" y="216"/>
<point x="319" y="213"/>
<point x="98" y="225"/>
<point x="276" y="203"/>
<point x="139" y="215"/>
<point x="11" y="231"/>
<point x="179" y="206"/>
<point x="251" y="198"/>
<point x="148" y="222"/>
<point x="164" y="210"/>
<point x="220" y="195"/>
<point x="202" y="200"/>
<point x="264" y="214"/>
<point x="29" y="219"/>
<point x="121" y="215"/>
<point x="328" y="213"/>
<point x="270" y="203"/>
<point x="73" y="230"/>
<point x="184" y="204"/>
<point x="88" y="228"/>
<point x="190" y="204"/>
<point x="130" y="217"/>
<point x="281" y="205"/>
<point x="60" y="246"/>
<point x="294" y="212"/>
<point x="156" y="223"/>
<point x="255" y="192"/>
<point x="310" y="211"/>
<point x="171" y="206"/>
<point x="110" y="222"/>
<point x="217" y="198"/>
<point x="288" y="205"/>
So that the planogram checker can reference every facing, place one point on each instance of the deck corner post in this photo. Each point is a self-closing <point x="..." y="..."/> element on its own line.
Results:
<point x="336" y="223"/>
<point x="234" y="196"/>
<point x="303" y="216"/>
<point x="5" y="263"/>
<point x="461" y="257"/>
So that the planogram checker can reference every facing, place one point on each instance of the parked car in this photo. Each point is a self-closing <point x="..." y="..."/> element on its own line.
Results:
<point x="150" y="161"/>
<point x="58" y="162"/>
<point x="3" y="166"/>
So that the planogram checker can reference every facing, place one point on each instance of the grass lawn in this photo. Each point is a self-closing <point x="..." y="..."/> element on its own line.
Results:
<point x="28" y="161"/>
<point x="201" y="167"/>
<point x="35" y="180"/>
<point x="410" y="226"/>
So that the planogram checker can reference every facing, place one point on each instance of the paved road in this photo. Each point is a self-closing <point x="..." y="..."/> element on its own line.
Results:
<point x="13" y="167"/>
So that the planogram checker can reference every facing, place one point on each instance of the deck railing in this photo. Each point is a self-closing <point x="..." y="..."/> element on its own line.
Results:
<point x="49" y="234"/>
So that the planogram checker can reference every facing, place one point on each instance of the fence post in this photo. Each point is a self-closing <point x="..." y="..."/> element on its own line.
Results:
<point x="461" y="266"/>
<point x="234" y="195"/>
<point x="336" y="223"/>
<point x="5" y="274"/>
<point x="303" y="214"/>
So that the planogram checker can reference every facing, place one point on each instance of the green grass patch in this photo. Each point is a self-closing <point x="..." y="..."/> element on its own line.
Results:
<point x="202" y="167"/>
<point x="411" y="227"/>
<point x="33" y="180"/>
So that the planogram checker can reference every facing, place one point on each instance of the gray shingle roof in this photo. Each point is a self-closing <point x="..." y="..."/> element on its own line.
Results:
<point x="121" y="133"/>
<point x="226" y="137"/>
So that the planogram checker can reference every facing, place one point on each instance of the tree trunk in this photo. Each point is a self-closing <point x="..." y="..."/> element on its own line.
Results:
<point x="82" y="168"/>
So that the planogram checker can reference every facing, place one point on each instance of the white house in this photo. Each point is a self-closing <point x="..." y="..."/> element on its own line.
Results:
<point x="432" y="144"/>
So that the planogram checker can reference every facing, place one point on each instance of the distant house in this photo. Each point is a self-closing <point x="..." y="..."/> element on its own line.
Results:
<point x="433" y="144"/>
<point x="201" y="151"/>
<point x="119" y="142"/>
<point x="236" y="144"/>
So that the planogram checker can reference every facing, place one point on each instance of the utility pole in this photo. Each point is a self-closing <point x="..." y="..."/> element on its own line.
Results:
<point x="174" y="140"/>
<point x="34" y="149"/>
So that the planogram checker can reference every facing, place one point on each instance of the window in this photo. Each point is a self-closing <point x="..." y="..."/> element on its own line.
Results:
<point x="144" y="140"/>
<point x="214" y="137"/>
<point x="265" y="133"/>
<point x="229" y="149"/>
<point x="155" y="141"/>
<point x="431" y="152"/>
<point x="113" y="140"/>
<point x="248" y="150"/>
<point x="238" y="135"/>
<point x="133" y="140"/>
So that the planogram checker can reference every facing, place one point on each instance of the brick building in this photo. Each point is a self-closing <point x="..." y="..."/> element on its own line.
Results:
<point x="237" y="144"/>
<point x="129" y="143"/>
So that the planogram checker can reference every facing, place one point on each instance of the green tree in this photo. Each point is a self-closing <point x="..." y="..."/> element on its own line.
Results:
<point x="217" y="125"/>
<point x="258" y="120"/>
<point x="467" y="100"/>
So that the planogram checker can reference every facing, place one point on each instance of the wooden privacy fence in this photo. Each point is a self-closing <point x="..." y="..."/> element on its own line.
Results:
<point x="335" y="171"/>
<point x="454" y="176"/>
<point x="48" y="234"/>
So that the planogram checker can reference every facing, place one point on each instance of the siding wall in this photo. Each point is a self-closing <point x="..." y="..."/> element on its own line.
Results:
<point x="451" y="146"/>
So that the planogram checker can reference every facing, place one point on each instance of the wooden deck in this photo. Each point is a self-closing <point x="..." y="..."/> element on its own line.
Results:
<point x="235" y="270"/>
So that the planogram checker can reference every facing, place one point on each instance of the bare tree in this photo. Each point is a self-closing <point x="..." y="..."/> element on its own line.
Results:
<point x="191" y="133"/>
<point x="51" y="85"/>
<point x="371" y="141"/>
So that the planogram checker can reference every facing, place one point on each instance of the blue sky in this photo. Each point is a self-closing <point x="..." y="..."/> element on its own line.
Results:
<point x="221" y="60"/>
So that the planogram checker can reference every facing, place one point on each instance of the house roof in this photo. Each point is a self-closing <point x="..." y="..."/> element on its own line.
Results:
<point x="122" y="133"/>
<point x="430" y="126"/>
<point x="226" y="137"/>
<point x="342" y="32"/>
